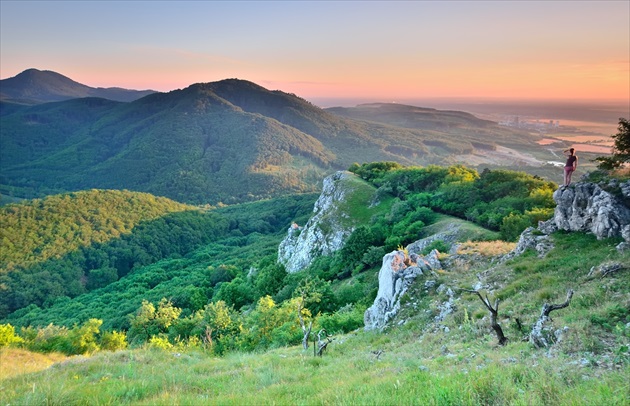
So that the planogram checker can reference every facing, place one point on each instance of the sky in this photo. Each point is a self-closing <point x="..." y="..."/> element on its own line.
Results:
<point x="380" y="50"/>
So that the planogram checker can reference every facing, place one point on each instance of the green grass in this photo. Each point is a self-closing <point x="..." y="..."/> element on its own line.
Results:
<point x="466" y="229"/>
<point x="358" y="207"/>
<point x="420" y="362"/>
<point x="348" y="374"/>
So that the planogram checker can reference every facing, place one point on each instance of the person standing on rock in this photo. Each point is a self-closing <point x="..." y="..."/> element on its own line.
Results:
<point x="570" y="166"/>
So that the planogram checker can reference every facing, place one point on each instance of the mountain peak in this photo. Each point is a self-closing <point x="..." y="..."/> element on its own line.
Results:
<point x="34" y="86"/>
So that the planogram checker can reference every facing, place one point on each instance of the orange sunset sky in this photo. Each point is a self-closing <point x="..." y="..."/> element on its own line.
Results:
<point x="382" y="50"/>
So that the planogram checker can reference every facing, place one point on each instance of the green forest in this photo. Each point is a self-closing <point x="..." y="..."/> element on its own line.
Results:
<point x="230" y="141"/>
<point x="122" y="254"/>
<point x="167" y="298"/>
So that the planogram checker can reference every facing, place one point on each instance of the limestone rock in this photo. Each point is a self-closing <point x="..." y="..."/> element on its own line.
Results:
<point x="582" y="207"/>
<point x="588" y="207"/>
<point x="324" y="233"/>
<point x="547" y="227"/>
<point x="396" y="275"/>
<point x="531" y="238"/>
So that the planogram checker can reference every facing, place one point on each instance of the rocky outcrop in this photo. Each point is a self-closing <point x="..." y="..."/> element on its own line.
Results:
<point x="532" y="238"/>
<point x="324" y="233"/>
<point x="397" y="273"/>
<point x="589" y="207"/>
<point x="449" y="235"/>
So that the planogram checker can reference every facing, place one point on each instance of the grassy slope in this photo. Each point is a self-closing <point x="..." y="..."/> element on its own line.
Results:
<point x="456" y="361"/>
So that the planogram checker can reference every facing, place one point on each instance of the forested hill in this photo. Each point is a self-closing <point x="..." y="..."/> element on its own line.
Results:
<point x="34" y="86"/>
<point x="226" y="141"/>
<point x="67" y="245"/>
<point x="41" y="229"/>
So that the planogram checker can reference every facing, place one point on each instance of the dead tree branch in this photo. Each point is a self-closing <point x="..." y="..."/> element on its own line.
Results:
<point x="378" y="354"/>
<point x="494" y="313"/>
<point x="322" y="343"/>
<point x="536" y="337"/>
<point x="605" y="269"/>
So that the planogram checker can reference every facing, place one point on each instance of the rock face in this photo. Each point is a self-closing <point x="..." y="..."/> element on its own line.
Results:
<point x="582" y="207"/>
<point x="530" y="238"/>
<point x="588" y="207"/>
<point x="324" y="232"/>
<point x="396" y="275"/>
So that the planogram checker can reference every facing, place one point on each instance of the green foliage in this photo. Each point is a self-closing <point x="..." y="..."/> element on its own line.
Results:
<point x="271" y="325"/>
<point x="440" y="245"/>
<point x="497" y="199"/>
<point x="513" y="225"/>
<point x="150" y="321"/>
<point x="236" y="293"/>
<point x="160" y="342"/>
<point x="113" y="340"/>
<point x="375" y="171"/>
<point x="171" y="236"/>
<point x="316" y="295"/>
<point x="220" y="326"/>
<point x="83" y="338"/>
<point x="345" y="320"/>
<point x="356" y="246"/>
<point x="8" y="336"/>
<point x="621" y="148"/>
<point x="270" y="278"/>
<point x="80" y="339"/>
<point x="37" y="230"/>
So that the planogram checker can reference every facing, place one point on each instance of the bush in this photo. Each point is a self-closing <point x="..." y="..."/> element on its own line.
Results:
<point x="440" y="245"/>
<point x="373" y="256"/>
<point x="113" y="341"/>
<point x="513" y="225"/>
<point x="160" y="342"/>
<point x="345" y="320"/>
<point x="82" y="339"/>
<point x="8" y="336"/>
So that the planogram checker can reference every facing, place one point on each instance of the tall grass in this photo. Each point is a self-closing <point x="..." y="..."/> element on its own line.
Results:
<point x="348" y="374"/>
<point x="416" y="361"/>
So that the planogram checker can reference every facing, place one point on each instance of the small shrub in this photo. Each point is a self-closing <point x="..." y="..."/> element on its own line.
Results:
<point x="345" y="320"/>
<point x="160" y="342"/>
<point x="8" y="336"/>
<point x="440" y="245"/>
<point x="113" y="341"/>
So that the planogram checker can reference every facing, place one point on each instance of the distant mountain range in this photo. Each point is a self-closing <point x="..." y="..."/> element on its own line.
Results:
<point x="225" y="141"/>
<point x="35" y="87"/>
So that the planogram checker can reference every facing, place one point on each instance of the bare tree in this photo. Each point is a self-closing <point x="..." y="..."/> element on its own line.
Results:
<point x="322" y="343"/>
<point x="494" y="313"/>
<point x="536" y="337"/>
<point x="305" y="330"/>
